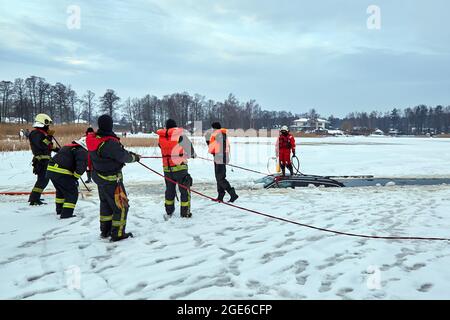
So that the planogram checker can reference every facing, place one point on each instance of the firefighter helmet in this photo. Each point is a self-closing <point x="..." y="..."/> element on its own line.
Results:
<point x="284" y="128"/>
<point x="42" y="120"/>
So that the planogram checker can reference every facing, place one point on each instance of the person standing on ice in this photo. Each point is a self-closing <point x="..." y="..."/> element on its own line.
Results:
<point x="219" y="147"/>
<point x="285" y="144"/>
<point x="41" y="144"/>
<point x="89" y="131"/>
<point x="176" y="149"/>
<point x="64" y="170"/>
<point x="108" y="157"/>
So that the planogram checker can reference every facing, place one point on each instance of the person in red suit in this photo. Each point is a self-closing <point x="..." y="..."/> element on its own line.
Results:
<point x="284" y="146"/>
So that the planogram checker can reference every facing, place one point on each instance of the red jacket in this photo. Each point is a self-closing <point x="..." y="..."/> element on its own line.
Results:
<point x="285" y="143"/>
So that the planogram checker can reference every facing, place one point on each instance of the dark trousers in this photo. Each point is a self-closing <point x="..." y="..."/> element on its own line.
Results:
<point x="183" y="178"/>
<point x="223" y="185"/>
<point x="40" y="170"/>
<point x="113" y="213"/>
<point x="66" y="193"/>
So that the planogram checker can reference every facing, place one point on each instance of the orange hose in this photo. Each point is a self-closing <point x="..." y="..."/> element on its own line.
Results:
<point x="23" y="193"/>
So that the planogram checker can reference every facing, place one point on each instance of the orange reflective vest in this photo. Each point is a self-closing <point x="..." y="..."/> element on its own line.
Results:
<point x="217" y="145"/>
<point x="172" y="152"/>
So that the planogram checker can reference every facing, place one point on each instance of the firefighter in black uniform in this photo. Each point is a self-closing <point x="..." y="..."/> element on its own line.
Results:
<point x="219" y="147"/>
<point x="42" y="146"/>
<point x="108" y="157"/>
<point x="64" y="170"/>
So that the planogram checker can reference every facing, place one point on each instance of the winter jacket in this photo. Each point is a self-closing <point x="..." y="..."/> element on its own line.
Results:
<point x="70" y="160"/>
<point x="285" y="143"/>
<point x="41" y="144"/>
<point x="110" y="156"/>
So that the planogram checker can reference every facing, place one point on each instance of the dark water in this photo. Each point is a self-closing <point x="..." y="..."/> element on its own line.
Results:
<point x="305" y="181"/>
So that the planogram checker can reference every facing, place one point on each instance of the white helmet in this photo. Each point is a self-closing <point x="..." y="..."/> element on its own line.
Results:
<point x="42" y="120"/>
<point x="284" y="128"/>
<point x="82" y="142"/>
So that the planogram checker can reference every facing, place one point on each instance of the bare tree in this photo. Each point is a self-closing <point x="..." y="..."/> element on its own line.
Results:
<point x="109" y="102"/>
<point x="89" y="104"/>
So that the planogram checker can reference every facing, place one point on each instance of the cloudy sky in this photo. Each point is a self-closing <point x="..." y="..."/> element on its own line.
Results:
<point x="292" y="55"/>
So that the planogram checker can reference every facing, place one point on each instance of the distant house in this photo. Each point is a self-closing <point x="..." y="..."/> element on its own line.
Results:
<point x="306" y="124"/>
<point x="378" y="132"/>
<point x="14" y="120"/>
<point x="336" y="133"/>
<point x="393" y="132"/>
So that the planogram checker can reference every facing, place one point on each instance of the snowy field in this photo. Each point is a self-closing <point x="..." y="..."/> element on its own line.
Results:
<point x="225" y="253"/>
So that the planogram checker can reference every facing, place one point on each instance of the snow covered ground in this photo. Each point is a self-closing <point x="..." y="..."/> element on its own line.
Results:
<point x="226" y="253"/>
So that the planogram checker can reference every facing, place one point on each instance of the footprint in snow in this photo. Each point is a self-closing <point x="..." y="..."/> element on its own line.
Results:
<point x="425" y="287"/>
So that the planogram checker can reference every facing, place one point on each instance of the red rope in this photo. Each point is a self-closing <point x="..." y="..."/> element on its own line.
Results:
<point x="294" y="222"/>
<point x="238" y="167"/>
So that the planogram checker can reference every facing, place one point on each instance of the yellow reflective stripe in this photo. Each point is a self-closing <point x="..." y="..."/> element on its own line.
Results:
<point x="69" y="205"/>
<point x="55" y="168"/>
<point x="169" y="202"/>
<point x="42" y="157"/>
<point x="185" y="204"/>
<point x="106" y="218"/>
<point x="111" y="178"/>
<point x="76" y="175"/>
<point x="177" y="168"/>
<point x="119" y="223"/>
<point x="59" y="200"/>
<point x="38" y="190"/>
<point x="46" y="141"/>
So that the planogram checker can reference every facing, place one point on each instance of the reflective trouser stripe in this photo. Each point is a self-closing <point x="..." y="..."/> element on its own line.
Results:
<point x="169" y="202"/>
<point x="185" y="204"/>
<point x="106" y="218"/>
<point x="38" y="190"/>
<point x="69" y="205"/>
<point x="177" y="168"/>
<point x="118" y="223"/>
<point x="42" y="157"/>
<point x="111" y="178"/>
<point x="59" y="200"/>
<point x="55" y="168"/>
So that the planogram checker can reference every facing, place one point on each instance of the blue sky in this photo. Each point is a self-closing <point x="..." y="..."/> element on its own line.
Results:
<point x="292" y="55"/>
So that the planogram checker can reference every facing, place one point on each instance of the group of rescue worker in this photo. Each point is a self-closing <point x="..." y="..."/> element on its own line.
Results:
<point x="102" y="156"/>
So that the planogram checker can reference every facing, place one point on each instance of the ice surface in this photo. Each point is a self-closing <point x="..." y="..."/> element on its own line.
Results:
<point x="226" y="253"/>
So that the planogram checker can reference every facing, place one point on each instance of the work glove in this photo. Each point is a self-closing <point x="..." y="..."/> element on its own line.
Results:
<point x="56" y="149"/>
<point x="136" y="157"/>
<point x="51" y="133"/>
<point x="293" y="153"/>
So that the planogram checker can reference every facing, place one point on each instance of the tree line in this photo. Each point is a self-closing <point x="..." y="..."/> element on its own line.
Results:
<point x="22" y="99"/>
<point x="421" y="119"/>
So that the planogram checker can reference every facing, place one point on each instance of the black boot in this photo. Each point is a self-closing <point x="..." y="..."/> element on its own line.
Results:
<point x="105" y="234"/>
<point x="233" y="195"/>
<point x="67" y="217"/>
<point x="105" y="228"/>
<point x="220" y="196"/>
<point x="37" y="203"/>
<point x="125" y="235"/>
<point x="186" y="212"/>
